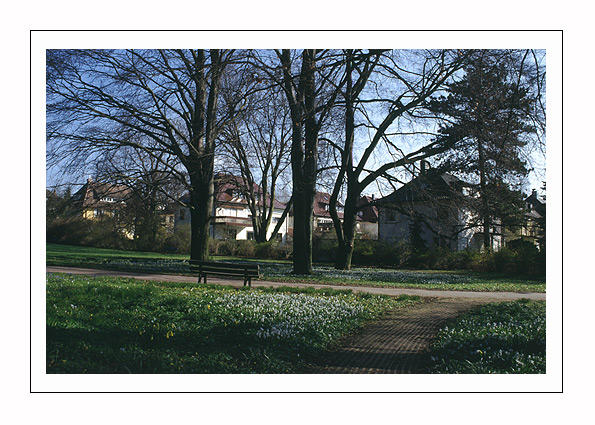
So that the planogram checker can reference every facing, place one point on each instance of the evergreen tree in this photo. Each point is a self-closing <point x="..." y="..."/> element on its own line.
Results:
<point x="487" y="113"/>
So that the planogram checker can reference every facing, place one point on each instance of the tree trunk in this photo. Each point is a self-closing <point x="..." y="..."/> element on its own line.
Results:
<point x="345" y="247"/>
<point x="201" y="205"/>
<point x="302" y="231"/>
<point x="304" y="158"/>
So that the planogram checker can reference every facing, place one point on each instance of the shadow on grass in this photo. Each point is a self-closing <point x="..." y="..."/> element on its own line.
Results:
<point x="220" y="350"/>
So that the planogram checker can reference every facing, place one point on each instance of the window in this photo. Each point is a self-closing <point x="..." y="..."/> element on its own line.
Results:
<point x="250" y="236"/>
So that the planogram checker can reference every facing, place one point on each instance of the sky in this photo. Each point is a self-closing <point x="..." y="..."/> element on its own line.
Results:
<point x="56" y="176"/>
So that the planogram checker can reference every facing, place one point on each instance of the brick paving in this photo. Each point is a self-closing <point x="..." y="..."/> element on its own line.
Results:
<point x="397" y="343"/>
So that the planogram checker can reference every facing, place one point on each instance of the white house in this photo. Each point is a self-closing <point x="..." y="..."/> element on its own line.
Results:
<point x="232" y="216"/>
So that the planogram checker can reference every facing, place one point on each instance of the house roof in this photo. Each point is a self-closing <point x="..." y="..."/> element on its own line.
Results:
<point x="227" y="191"/>
<point x="93" y="194"/>
<point x="535" y="204"/>
<point x="370" y="212"/>
<point x="425" y="187"/>
<point x="321" y="200"/>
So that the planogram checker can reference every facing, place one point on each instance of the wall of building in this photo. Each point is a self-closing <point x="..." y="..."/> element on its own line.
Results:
<point x="395" y="227"/>
<point x="368" y="230"/>
<point x="224" y="231"/>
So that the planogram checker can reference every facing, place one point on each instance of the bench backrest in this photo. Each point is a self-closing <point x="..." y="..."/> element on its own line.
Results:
<point x="231" y="269"/>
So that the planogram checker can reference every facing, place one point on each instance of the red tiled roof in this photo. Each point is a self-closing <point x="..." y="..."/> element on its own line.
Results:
<point x="227" y="192"/>
<point x="92" y="193"/>
<point x="369" y="213"/>
<point x="321" y="200"/>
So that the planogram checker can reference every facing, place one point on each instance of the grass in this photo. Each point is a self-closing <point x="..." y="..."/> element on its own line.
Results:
<point x="118" y="325"/>
<point x="64" y="255"/>
<point x="496" y="338"/>
<point x="54" y="250"/>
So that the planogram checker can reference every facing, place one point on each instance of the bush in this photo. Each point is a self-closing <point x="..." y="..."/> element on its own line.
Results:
<point x="323" y="250"/>
<point x="245" y="249"/>
<point x="524" y="260"/>
<point x="178" y="242"/>
<point x="102" y="233"/>
<point x="273" y="251"/>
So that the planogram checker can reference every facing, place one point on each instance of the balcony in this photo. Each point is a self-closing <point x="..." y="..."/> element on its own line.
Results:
<point x="233" y="221"/>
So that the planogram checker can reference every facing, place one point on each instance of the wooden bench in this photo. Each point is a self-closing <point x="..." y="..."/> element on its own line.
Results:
<point x="206" y="268"/>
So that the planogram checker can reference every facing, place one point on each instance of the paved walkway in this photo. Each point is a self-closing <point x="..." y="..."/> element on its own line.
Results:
<point x="397" y="343"/>
<point x="483" y="296"/>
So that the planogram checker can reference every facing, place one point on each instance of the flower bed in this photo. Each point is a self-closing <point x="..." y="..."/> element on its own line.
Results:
<point x="497" y="338"/>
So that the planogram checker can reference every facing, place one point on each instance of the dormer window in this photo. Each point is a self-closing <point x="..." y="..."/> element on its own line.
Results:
<point x="108" y="199"/>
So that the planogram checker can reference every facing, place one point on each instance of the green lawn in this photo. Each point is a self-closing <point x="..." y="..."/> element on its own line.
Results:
<point x="117" y="325"/>
<point x="497" y="338"/>
<point x="57" y="250"/>
<point x="64" y="255"/>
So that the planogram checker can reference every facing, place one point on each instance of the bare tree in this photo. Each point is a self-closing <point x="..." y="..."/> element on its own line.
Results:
<point x="150" y="190"/>
<point x="257" y="144"/>
<point x="101" y="101"/>
<point x="310" y="80"/>
<point x="381" y="89"/>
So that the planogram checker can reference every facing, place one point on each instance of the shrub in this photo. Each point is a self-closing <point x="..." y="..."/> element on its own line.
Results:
<point x="179" y="241"/>
<point x="273" y="251"/>
<point x="104" y="233"/>
<point x="245" y="249"/>
<point x="323" y="250"/>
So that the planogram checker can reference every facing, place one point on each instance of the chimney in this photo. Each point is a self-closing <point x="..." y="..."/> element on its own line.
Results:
<point x="424" y="166"/>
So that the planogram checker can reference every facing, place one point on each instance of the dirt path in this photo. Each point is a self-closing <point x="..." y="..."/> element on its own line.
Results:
<point x="482" y="296"/>
<point x="397" y="343"/>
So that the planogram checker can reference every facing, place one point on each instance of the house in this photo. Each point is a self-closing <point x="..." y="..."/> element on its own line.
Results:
<point x="532" y="228"/>
<point x="430" y="211"/>
<point x="321" y="215"/>
<point x="367" y="217"/>
<point x="232" y="216"/>
<point x="95" y="199"/>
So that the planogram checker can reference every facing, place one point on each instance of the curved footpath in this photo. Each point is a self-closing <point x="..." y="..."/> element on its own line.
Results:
<point x="399" y="342"/>
<point x="482" y="296"/>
